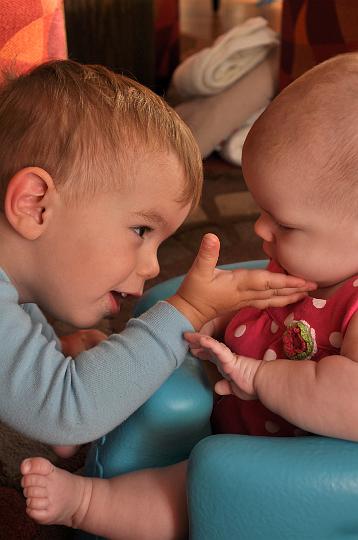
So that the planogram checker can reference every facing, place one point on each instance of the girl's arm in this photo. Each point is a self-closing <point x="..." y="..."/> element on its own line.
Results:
<point x="319" y="397"/>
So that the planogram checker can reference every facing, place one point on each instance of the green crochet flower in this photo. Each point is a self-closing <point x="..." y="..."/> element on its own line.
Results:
<point x="299" y="341"/>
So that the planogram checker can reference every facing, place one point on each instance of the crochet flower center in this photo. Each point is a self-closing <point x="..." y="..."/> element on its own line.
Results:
<point x="299" y="341"/>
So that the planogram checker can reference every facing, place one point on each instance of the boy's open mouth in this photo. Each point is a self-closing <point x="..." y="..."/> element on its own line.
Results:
<point x="116" y="300"/>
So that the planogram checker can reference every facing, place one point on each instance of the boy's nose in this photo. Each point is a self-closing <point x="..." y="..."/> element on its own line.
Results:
<point x="263" y="228"/>
<point x="149" y="268"/>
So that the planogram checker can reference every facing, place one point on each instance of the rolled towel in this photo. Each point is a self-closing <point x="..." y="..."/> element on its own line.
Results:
<point x="214" y="119"/>
<point x="231" y="149"/>
<point x="231" y="56"/>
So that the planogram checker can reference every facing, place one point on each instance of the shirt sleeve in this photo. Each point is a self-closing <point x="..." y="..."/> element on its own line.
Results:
<point x="46" y="329"/>
<point x="58" y="400"/>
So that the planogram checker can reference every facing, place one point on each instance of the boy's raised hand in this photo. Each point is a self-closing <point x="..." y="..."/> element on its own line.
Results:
<point x="207" y="291"/>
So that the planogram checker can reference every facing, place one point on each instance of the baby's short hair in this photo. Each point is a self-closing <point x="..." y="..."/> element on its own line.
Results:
<point x="317" y="115"/>
<point x="88" y="127"/>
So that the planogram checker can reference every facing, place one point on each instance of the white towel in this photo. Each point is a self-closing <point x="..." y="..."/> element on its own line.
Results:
<point x="231" y="149"/>
<point x="231" y="56"/>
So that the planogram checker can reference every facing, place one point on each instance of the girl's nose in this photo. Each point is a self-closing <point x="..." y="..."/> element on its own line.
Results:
<point x="149" y="268"/>
<point x="264" y="227"/>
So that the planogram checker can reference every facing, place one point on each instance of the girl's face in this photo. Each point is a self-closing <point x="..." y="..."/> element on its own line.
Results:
<point x="298" y="230"/>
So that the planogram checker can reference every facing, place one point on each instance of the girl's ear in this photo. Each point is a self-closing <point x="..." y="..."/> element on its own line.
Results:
<point x="29" y="202"/>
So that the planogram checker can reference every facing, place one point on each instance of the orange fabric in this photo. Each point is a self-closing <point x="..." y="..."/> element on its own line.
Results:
<point x="314" y="30"/>
<point x="166" y="41"/>
<point x="31" y="32"/>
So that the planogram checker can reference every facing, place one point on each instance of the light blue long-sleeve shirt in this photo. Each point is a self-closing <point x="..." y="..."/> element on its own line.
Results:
<point x="59" y="400"/>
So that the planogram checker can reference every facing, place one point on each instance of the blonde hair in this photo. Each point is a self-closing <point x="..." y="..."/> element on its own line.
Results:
<point x="87" y="126"/>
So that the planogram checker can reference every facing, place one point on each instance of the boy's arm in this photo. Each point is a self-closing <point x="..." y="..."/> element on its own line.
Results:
<point x="81" y="340"/>
<point x="56" y="400"/>
<point x="38" y="317"/>
<point x="320" y="397"/>
<point x="70" y="344"/>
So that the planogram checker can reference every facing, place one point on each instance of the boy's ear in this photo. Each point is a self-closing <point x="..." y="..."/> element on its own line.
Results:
<point x="28" y="201"/>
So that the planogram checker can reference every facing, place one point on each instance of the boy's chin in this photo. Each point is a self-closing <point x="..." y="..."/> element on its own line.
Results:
<point x="82" y="323"/>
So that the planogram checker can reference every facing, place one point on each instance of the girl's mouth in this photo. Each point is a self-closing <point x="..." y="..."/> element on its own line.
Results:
<point x="266" y="249"/>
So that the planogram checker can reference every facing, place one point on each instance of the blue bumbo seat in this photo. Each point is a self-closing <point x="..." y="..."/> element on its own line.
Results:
<point x="239" y="487"/>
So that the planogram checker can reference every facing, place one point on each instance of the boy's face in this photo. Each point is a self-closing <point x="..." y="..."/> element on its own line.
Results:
<point x="97" y="251"/>
<point x="306" y="237"/>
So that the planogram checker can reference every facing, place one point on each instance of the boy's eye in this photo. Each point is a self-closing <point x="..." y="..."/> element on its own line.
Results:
<point x="140" y="231"/>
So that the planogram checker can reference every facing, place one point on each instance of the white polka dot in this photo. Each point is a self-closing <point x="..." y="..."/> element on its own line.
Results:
<point x="274" y="327"/>
<point x="290" y="318"/>
<point x="269" y="355"/>
<point x="355" y="283"/>
<point x="335" y="339"/>
<point x="240" y="330"/>
<point x="319" y="303"/>
<point x="271" y="427"/>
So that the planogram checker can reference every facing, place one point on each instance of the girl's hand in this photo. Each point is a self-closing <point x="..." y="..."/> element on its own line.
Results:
<point x="207" y="291"/>
<point x="216" y="327"/>
<point x="238" y="371"/>
<point x="82" y="340"/>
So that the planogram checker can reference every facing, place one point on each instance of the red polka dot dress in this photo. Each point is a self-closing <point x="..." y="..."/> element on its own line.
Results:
<point x="309" y="329"/>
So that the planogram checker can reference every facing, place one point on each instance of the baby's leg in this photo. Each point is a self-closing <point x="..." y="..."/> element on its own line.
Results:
<point x="144" y="505"/>
<point x="65" y="451"/>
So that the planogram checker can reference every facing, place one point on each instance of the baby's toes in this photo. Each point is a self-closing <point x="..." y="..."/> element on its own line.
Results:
<point x="33" y="480"/>
<point x="37" y="503"/>
<point x="38" y="465"/>
<point x="35" y="492"/>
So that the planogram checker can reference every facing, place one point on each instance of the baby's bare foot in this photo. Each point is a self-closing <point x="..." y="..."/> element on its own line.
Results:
<point x="54" y="496"/>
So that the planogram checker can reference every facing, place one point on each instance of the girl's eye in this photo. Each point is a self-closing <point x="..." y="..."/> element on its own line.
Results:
<point x="140" y="231"/>
<point x="285" y="227"/>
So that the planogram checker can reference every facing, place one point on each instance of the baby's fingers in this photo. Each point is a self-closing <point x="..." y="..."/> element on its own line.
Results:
<point x="201" y="354"/>
<point x="223" y="388"/>
<point x="210" y="344"/>
<point x="277" y="301"/>
<point x="194" y="339"/>
<point x="263" y="280"/>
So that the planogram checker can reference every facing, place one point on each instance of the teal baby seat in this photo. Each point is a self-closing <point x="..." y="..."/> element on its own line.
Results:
<point x="239" y="487"/>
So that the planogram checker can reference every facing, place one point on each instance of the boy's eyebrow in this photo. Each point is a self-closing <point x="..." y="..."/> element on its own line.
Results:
<point x="151" y="216"/>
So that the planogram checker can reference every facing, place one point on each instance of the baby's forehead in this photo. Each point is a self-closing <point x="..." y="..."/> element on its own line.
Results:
<point x="310" y="128"/>
<point x="298" y="128"/>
